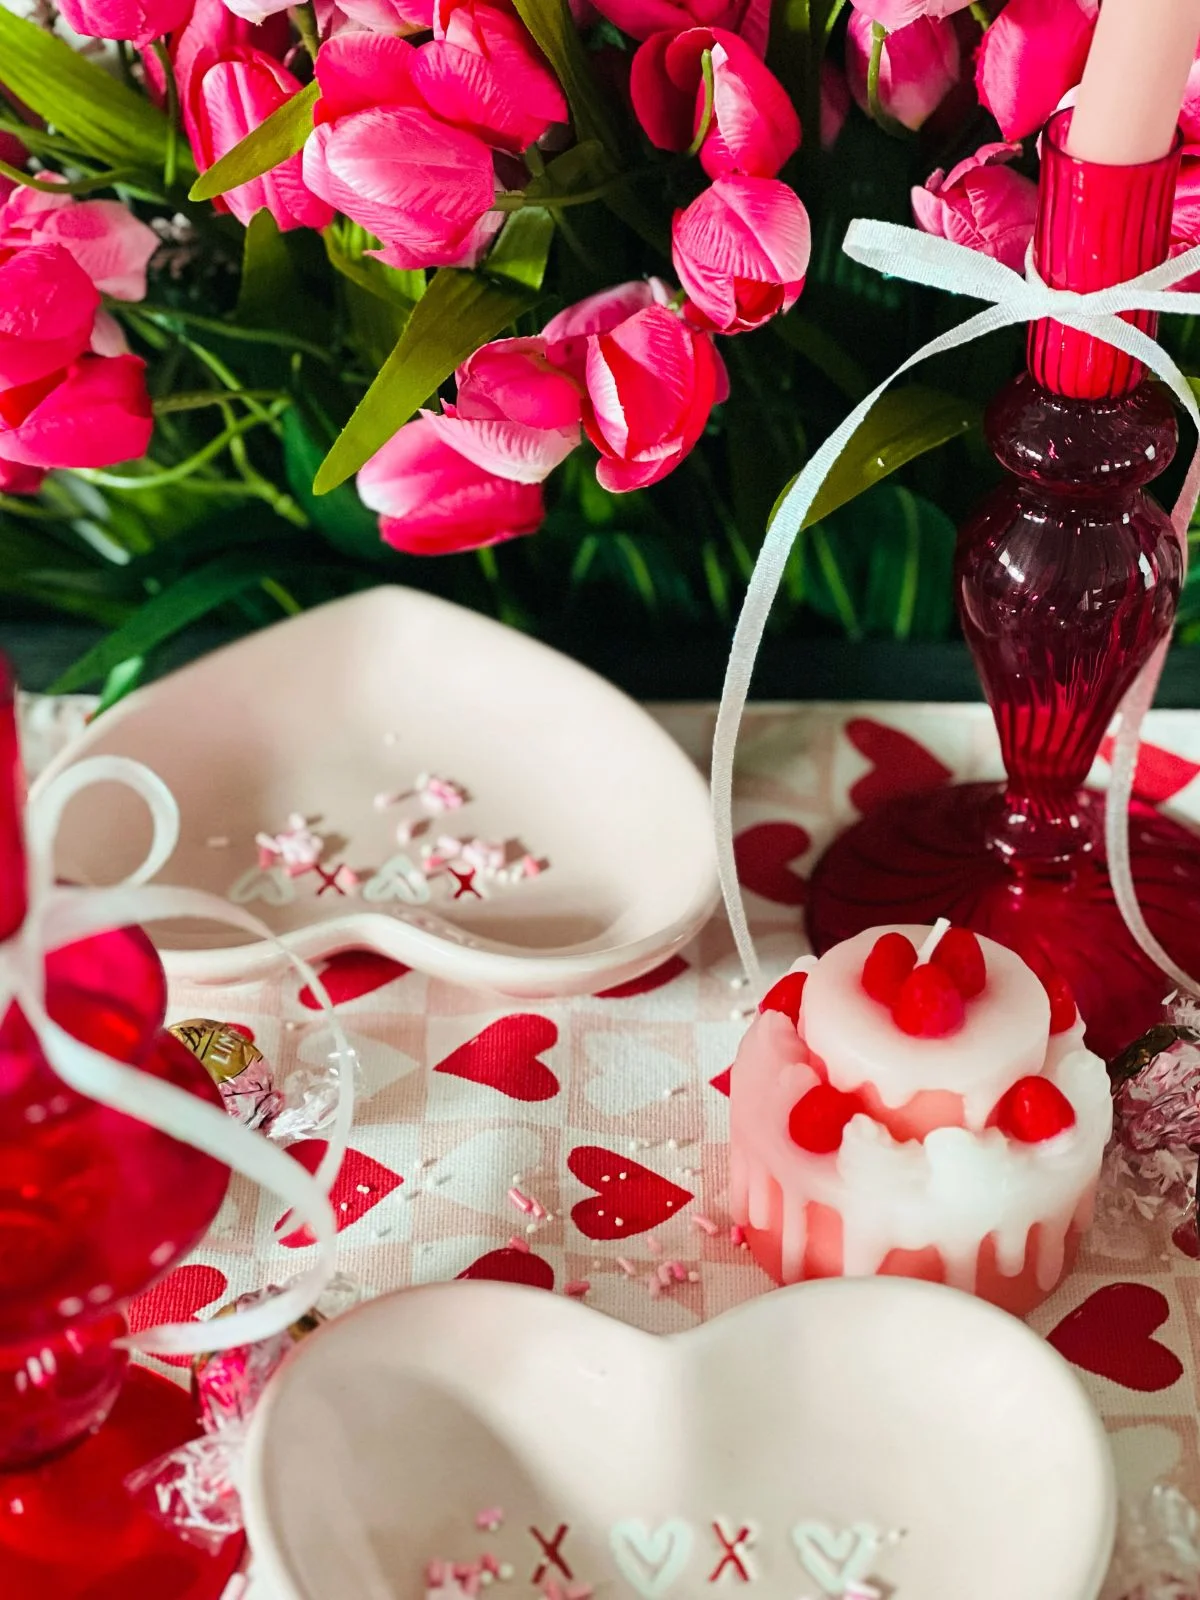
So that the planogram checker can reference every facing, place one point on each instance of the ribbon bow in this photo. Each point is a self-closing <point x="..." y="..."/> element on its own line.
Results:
<point x="923" y="258"/>
<point x="60" y="916"/>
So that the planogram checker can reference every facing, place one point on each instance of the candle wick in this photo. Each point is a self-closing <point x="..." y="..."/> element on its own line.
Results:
<point x="941" y="926"/>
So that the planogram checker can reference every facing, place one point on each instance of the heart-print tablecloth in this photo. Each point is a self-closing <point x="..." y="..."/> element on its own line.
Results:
<point x="463" y="1098"/>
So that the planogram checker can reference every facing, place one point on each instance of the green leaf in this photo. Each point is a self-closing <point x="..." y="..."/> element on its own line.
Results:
<point x="96" y="113"/>
<point x="268" y="282"/>
<point x="273" y="141"/>
<point x="458" y="312"/>
<point x="882" y="567"/>
<point x="339" y="515"/>
<point x="903" y="425"/>
<point x="553" y="27"/>
<point x="165" y="615"/>
<point x="122" y="680"/>
<point x="379" y="299"/>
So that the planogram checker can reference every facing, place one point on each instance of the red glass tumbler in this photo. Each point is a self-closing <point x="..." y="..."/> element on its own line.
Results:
<point x="94" y="1207"/>
<point x="1066" y="578"/>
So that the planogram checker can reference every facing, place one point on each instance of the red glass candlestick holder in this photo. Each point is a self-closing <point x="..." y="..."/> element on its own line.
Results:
<point x="1066" y="578"/>
<point x="94" y="1207"/>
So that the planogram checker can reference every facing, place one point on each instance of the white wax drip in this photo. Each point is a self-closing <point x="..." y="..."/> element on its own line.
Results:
<point x="951" y="1192"/>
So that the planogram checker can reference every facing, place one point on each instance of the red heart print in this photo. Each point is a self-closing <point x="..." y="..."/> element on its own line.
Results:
<point x="177" y="1299"/>
<point x="362" y="1182"/>
<point x="763" y="854"/>
<point x="1109" y="1334"/>
<point x="629" y="1197"/>
<point x="721" y="1082"/>
<point x="1160" y="774"/>
<point x="351" y="974"/>
<point x="505" y="1057"/>
<point x="899" y="764"/>
<point x="670" y="969"/>
<point x="512" y="1266"/>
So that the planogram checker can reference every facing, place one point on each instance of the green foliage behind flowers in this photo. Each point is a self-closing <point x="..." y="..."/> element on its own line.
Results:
<point x="282" y="350"/>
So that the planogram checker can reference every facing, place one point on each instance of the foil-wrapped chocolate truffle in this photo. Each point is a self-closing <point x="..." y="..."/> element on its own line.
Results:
<point x="236" y="1065"/>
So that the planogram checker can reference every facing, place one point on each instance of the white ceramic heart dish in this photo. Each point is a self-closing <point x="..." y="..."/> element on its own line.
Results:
<point x="323" y="713"/>
<point x="880" y="1431"/>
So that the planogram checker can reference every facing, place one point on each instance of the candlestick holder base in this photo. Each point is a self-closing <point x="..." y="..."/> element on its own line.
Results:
<point x="933" y="855"/>
<point x="70" y="1530"/>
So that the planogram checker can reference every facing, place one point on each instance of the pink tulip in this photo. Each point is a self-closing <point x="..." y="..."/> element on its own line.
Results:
<point x="1030" y="56"/>
<point x="651" y="384"/>
<point x="433" y="501"/>
<point x="482" y="72"/>
<point x="835" y="102"/>
<point x="105" y="237"/>
<point x="47" y="307"/>
<point x="236" y="95"/>
<point x="981" y="203"/>
<point x="212" y="33"/>
<point x="16" y="479"/>
<point x="420" y="186"/>
<point x="753" y="128"/>
<point x="14" y="154"/>
<point x="919" y="66"/>
<point x="741" y="251"/>
<point x="566" y="335"/>
<point x="516" y="415"/>
<point x="383" y="16"/>
<point x="94" y="414"/>
<point x="361" y="71"/>
<point x="893" y="14"/>
<point x="641" y="18"/>
<point x="138" y="21"/>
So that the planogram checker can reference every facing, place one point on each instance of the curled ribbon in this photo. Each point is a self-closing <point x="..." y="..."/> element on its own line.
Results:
<point x="940" y="264"/>
<point x="59" y="916"/>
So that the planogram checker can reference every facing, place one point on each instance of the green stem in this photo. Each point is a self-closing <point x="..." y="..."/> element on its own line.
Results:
<point x="286" y="602"/>
<point x="535" y="162"/>
<point x="981" y="14"/>
<point x="171" y="158"/>
<point x="878" y="38"/>
<point x="835" y="11"/>
<point x="103" y="180"/>
<point x="200" y="399"/>
<point x="167" y="316"/>
<point x="175" y="474"/>
<point x="706" y="114"/>
<point x="305" y="19"/>
<point x="17" y="507"/>
<point x="553" y="202"/>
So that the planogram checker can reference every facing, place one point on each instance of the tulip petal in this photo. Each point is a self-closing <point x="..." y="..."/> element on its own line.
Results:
<point x="1030" y="56"/>
<point x="97" y="415"/>
<point x="358" y="71"/>
<point x="47" y="307"/>
<point x="509" y="449"/>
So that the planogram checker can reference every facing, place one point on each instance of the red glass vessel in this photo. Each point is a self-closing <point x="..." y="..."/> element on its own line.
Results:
<point x="1066" y="579"/>
<point x="94" y="1207"/>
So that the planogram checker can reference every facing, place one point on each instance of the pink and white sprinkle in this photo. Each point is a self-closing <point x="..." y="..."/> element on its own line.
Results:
<point x="440" y="794"/>
<point x="705" y="1224"/>
<point x="577" y="1288"/>
<point x="296" y="848"/>
<point x="490" y="1519"/>
<point x="521" y="1201"/>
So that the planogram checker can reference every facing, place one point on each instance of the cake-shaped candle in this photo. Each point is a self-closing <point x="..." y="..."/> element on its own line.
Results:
<point x="919" y="1102"/>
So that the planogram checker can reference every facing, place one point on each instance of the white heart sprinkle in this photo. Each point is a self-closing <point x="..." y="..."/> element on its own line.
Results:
<point x="398" y="879"/>
<point x="270" y="884"/>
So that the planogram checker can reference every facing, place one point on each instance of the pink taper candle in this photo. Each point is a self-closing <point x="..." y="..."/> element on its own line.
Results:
<point x="1133" y="83"/>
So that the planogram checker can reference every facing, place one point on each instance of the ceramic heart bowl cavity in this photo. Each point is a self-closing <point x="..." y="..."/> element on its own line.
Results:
<point x="874" y="1430"/>
<point x="323" y="713"/>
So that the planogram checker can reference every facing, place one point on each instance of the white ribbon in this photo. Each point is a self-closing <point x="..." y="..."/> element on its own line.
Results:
<point x="60" y="916"/>
<point x="922" y="258"/>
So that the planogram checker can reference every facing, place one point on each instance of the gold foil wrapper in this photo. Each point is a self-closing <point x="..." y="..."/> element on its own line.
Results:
<point x="224" y="1053"/>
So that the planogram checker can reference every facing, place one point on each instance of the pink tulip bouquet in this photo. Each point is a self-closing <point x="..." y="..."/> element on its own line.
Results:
<point x="294" y="295"/>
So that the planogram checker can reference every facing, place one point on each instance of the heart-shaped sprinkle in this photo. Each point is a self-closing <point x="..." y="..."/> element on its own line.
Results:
<point x="836" y="1558"/>
<point x="786" y="995"/>
<point x="819" y="1118"/>
<point x="891" y="960"/>
<point x="1033" y="1110"/>
<point x="271" y="885"/>
<point x="651" y="1559"/>
<point x="960" y="955"/>
<point x="929" y="1005"/>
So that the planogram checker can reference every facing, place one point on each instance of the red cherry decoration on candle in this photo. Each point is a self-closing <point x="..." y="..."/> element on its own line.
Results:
<point x="929" y="1005"/>
<point x="960" y="956"/>
<point x="891" y="960"/>
<point x="786" y="995"/>
<point x="819" y="1118"/>
<point x="1033" y="1110"/>
<point x="1064" y="1013"/>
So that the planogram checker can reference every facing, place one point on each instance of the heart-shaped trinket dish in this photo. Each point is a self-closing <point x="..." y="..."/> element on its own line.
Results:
<point x="855" y="1437"/>
<point x="395" y="772"/>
